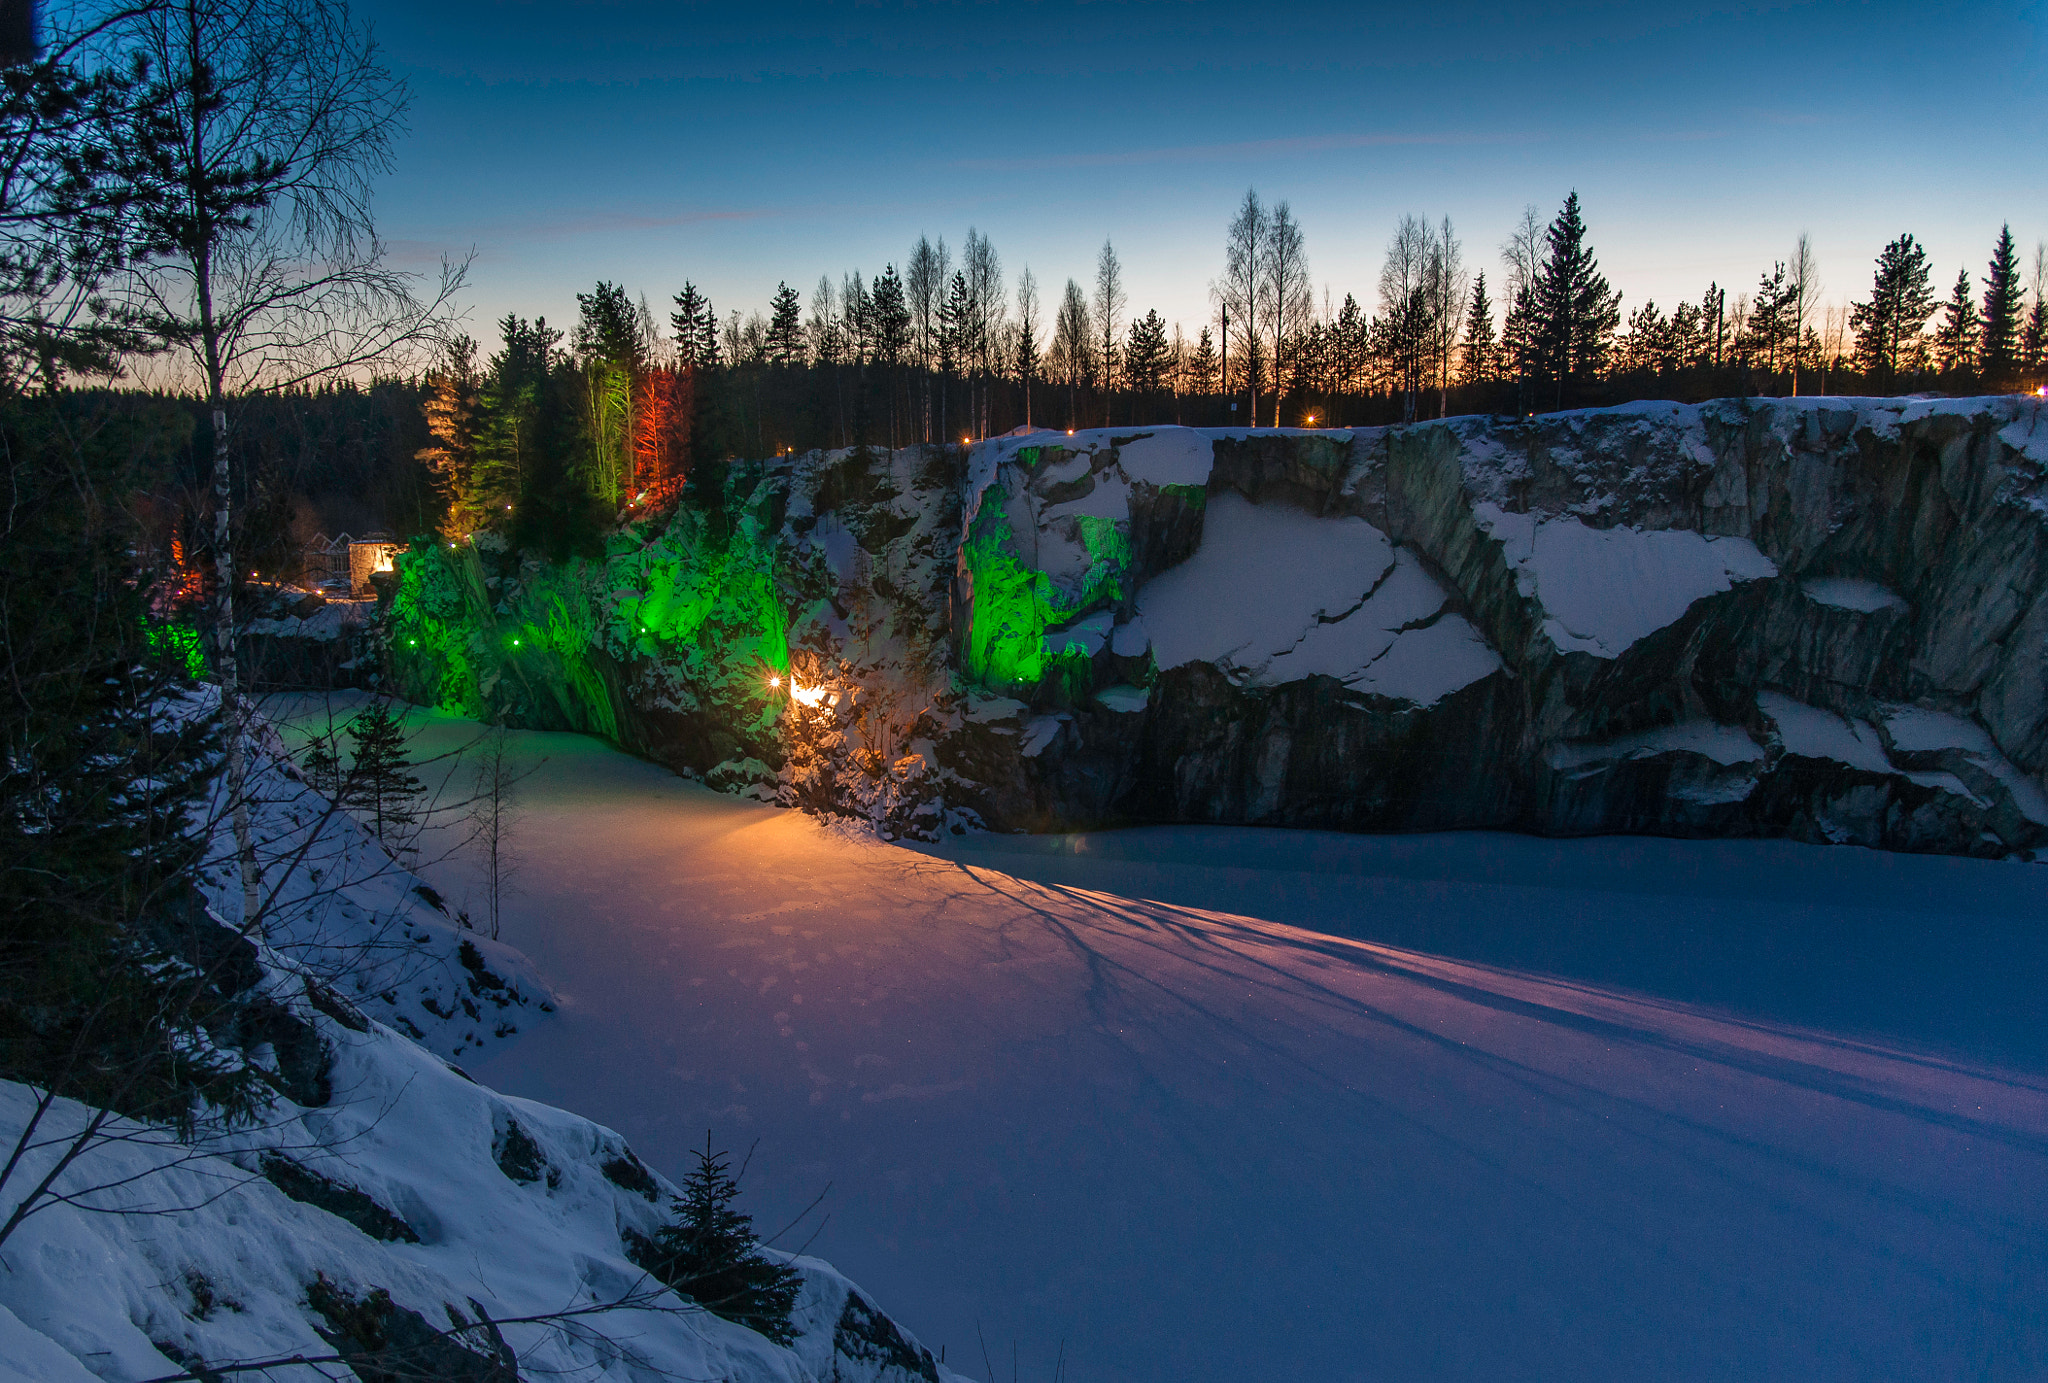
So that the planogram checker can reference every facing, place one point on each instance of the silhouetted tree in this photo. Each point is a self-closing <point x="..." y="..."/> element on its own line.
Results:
<point x="1999" y="348"/>
<point x="710" y="1254"/>
<point x="1889" y="324"/>
<point x="1576" y="312"/>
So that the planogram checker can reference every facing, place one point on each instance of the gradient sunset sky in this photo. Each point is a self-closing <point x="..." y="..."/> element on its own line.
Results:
<point x="740" y="145"/>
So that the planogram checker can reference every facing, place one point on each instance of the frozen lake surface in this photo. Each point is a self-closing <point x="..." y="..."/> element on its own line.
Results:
<point x="1212" y="1104"/>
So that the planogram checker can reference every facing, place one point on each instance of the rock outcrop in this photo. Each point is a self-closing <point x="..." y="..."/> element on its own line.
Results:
<point x="1821" y="618"/>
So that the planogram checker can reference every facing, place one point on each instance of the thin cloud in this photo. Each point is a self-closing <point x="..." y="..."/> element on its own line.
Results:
<point x="1240" y="149"/>
<point x="603" y="222"/>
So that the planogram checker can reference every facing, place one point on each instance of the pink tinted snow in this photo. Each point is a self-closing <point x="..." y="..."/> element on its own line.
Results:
<point x="1192" y="1144"/>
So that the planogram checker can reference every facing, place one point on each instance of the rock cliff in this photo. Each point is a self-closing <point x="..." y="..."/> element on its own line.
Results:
<point x="1822" y="618"/>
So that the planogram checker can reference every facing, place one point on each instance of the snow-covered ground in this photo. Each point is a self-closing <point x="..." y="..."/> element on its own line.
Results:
<point x="1328" y="1107"/>
<point x="390" y="1196"/>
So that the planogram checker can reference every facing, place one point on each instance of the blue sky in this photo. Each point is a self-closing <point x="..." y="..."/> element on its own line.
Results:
<point x="649" y="143"/>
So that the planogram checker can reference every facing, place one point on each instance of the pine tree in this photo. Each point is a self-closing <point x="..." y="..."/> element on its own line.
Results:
<point x="380" y="784"/>
<point x="1478" y="347"/>
<point x="1768" y="332"/>
<point x="786" y="327"/>
<point x="2035" y="338"/>
<point x="1145" y="354"/>
<point x="608" y="327"/>
<point x="1576" y="312"/>
<point x="1901" y="298"/>
<point x="1955" y="342"/>
<point x="1713" y="324"/>
<point x="711" y="1254"/>
<point x="2003" y="297"/>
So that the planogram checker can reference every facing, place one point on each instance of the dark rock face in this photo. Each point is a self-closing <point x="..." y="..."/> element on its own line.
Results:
<point x="1707" y="621"/>
<point x="1818" y="618"/>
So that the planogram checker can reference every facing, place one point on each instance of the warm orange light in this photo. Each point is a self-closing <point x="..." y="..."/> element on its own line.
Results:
<point x="1070" y="432"/>
<point x="775" y="681"/>
<point x="807" y="696"/>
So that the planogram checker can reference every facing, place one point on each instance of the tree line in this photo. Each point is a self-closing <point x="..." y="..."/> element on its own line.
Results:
<point x="616" y="409"/>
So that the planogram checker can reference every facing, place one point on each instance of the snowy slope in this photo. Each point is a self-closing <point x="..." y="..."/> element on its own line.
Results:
<point x="409" y="1178"/>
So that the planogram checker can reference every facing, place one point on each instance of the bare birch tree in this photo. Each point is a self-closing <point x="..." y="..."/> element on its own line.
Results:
<point x="1404" y="307"/>
<point x="1027" y="343"/>
<point x="1444" y="290"/>
<point x="494" y="819"/>
<point x="267" y="125"/>
<point x="924" y="279"/>
<point x="1289" y="298"/>
<point x="1109" y="310"/>
<point x="1802" y="292"/>
<point x="989" y="302"/>
<point x="1240" y="292"/>
<point x="1071" y="347"/>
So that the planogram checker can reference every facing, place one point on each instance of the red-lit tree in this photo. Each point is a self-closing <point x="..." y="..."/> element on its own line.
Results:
<point x="661" y="427"/>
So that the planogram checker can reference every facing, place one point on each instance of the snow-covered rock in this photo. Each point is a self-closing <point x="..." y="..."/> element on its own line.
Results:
<point x="1425" y="626"/>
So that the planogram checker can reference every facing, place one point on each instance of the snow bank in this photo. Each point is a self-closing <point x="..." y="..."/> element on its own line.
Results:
<point x="1851" y="593"/>
<point x="1602" y="589"/>
<point x="1170" y="456"/>
<point x="1816" y="734"/>
<point x="1262" y="576"/>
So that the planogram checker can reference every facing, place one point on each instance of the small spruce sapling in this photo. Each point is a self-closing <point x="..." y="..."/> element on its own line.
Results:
<point x="710" y="1254"/>
<point x="379" y="783"/>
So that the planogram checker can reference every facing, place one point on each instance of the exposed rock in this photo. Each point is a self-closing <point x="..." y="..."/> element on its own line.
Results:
<point x="1821" y="618"/>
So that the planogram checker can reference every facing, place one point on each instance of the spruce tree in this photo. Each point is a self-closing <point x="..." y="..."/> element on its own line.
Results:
<point x="105" y="989"/>
<point x="786" y="327"/>
<point x="711" y="1254"/>
<point x="509" y="407"/>
<point x="1901" y="298"/>
<point x="2035" y="337"/>
<point x="686" y="322"/>
<point x="2000" y="344"/>
<point x="1202" y="365"/>
<point x="380" y="784"/>
<point x="1479" y="352"/>
<point x="1518" y="347"/>
<point x="1576" y="312"/>
<point x="1955" y="343"/>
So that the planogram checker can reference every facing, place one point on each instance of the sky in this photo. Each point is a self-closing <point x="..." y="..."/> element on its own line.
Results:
<point x="653" y="143"/>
